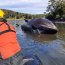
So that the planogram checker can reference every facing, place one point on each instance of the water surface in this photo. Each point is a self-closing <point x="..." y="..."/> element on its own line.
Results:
<point x="49" y="48"/>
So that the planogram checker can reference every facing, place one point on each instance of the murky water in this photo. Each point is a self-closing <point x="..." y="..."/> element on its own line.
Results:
<point x="49" y="48"/>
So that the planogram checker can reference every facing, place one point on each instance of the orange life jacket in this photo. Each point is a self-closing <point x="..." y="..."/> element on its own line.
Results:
<point x="8" y="40"/>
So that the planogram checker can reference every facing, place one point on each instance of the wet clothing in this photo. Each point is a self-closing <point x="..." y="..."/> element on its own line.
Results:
<point x="8" y="40"/>
<point x="14" y="60"/>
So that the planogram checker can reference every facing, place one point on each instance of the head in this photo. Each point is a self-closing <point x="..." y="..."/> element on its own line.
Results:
<point x="2" y="14"/>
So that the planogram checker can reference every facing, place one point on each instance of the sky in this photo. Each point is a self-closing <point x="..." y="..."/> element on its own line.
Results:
<point x="25" y="6"/>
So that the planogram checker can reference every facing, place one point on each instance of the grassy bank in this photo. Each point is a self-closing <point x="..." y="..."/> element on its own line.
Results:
<point x="15" y="19"/>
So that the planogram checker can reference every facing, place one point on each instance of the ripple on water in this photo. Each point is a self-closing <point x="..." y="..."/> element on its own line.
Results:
<point x="50" y="53"/>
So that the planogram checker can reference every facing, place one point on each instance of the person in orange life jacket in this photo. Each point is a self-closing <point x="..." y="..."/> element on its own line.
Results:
<point x="9" y="46"/>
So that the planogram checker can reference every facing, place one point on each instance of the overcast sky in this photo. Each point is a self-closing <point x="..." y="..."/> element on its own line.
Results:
<point x="25" y="6"/>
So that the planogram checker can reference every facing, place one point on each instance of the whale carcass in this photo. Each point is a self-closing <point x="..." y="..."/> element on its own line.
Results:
<point x="41" y="25"/>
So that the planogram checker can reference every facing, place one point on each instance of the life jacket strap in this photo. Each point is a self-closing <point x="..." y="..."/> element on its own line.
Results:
<point x="1" y="24"/>
<point x="5" y="31"/>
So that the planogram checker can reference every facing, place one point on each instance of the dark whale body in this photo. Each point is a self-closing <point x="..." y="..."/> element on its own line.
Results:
<point x="41" y="25"/>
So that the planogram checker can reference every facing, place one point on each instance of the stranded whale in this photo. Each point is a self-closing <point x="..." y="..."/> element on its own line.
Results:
<point x="41" y="25"/>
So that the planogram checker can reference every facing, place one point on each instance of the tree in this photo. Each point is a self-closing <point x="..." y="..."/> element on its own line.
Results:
<point x="56" y="8"/>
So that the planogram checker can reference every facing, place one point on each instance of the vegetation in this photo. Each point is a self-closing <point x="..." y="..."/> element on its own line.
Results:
<point x="16" y="15"/>
<point x="56" y="9"/>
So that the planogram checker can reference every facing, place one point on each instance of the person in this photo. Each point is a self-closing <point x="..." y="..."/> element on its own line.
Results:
<point x="10" y="50"/>
<point x="9" y="46"/>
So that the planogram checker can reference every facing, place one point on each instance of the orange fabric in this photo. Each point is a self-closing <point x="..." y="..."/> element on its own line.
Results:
<point x="8" y="42"/>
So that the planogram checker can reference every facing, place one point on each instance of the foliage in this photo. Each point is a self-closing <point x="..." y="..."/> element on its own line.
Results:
<point x="16" y="15"/>
<point x="56" y="8"/>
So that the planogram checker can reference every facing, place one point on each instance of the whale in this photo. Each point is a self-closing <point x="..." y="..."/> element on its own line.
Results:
<point x="40" y="25"/>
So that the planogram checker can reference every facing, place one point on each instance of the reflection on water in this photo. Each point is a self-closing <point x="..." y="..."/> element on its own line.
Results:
<point x="49" y="48"/>
<point x="61" y="31"/>
<point x="41" y="37"/>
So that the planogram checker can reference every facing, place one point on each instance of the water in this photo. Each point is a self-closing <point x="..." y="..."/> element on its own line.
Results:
<point x="49" y="48"/>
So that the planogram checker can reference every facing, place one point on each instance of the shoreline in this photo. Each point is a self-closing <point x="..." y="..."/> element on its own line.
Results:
<point x="16" y="19"/>
<point x="60" y="22"/>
